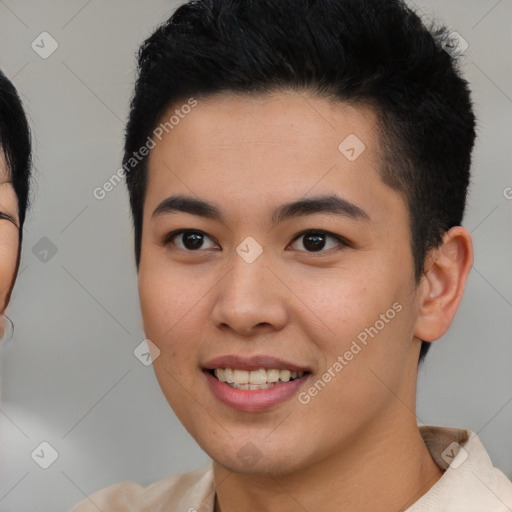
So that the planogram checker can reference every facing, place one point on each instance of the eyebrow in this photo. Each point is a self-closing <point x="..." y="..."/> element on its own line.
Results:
<point x="331" y="204"/>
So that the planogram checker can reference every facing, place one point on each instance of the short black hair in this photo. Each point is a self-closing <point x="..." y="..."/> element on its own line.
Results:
<point x="368" y="52"/>
<point x="16" y="148"/>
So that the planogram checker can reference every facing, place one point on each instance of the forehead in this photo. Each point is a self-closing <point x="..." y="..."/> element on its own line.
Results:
<point x="254" y="150"/>
<point x="224" y="121"/>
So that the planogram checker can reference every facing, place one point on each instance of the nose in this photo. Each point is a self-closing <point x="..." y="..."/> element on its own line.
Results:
<point x="250" y="299"/>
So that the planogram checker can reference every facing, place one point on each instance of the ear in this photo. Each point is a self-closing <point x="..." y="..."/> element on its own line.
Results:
<point x="442" y="285"/>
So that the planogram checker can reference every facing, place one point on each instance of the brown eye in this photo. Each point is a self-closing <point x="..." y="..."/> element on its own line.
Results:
<point x="317" y="241"/>
<point x="187" y="240"/>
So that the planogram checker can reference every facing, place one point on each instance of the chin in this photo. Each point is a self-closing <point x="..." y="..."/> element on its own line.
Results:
<point x="250" y="456"/>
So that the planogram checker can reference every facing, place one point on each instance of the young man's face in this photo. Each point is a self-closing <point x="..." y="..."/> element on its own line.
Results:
<point x="343" y="312"/>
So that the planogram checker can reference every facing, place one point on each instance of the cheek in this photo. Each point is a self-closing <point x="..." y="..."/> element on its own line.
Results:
<point x="362" y="317"/>
<point x="171" y="308"/>
<point x="171" y="311"/>
<point x="342" y="302"/>
<point x="8" y="256"/>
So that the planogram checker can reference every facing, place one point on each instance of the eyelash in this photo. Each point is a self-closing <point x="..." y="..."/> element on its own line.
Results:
<point x="342" y="241"/>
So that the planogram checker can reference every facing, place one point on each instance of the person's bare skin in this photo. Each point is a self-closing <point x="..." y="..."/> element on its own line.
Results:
<point x="9" y="240"/>
<point x="355" y="446"/>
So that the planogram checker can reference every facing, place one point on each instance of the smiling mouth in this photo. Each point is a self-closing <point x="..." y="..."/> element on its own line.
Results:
<point x="255" y="379"/>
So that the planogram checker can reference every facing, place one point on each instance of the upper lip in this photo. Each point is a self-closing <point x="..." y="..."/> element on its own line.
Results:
<point x="252" y="363"/>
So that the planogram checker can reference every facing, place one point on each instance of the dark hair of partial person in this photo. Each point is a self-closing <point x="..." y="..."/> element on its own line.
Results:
<point x="15" y="146"/>
<point x="376" y="53"/>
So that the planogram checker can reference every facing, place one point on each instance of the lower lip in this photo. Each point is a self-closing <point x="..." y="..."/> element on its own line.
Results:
<point x="256" y="400"/>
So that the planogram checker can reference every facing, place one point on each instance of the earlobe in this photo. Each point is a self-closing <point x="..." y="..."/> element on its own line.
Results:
<point x="443" y="283"/>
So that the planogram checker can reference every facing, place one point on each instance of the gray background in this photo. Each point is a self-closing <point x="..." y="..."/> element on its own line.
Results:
<point x="70" y="378"/>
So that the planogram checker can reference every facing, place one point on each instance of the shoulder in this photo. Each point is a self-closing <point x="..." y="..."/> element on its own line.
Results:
<point x="185" y="492"/>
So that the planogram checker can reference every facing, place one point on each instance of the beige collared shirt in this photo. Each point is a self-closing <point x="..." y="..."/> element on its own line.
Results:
<point x="470" y="483"/>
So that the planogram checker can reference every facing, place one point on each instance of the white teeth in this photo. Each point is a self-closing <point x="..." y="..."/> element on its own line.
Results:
<point x="251" y="387"/>
<point x="255" y="379"/>
<point x="272" y="375"/>
<point x="241" y="376"/>
<point x="258" y="376"/>
<point x="285" y="375"/>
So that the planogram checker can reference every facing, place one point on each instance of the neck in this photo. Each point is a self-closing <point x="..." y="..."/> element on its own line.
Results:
<point x="384" y="469"/>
